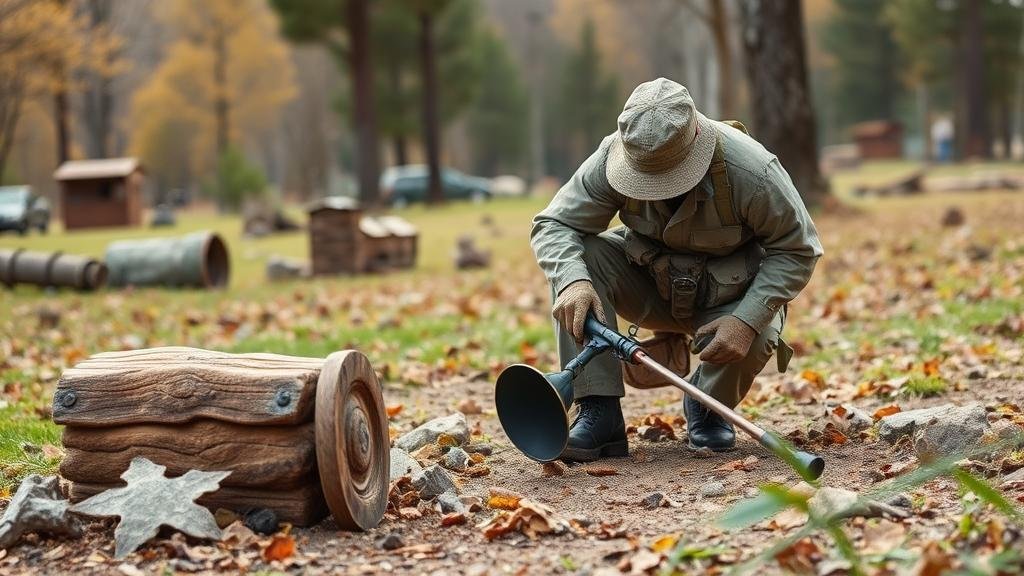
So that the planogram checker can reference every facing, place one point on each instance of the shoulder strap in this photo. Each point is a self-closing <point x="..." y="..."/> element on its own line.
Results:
<point x="723" y="190"/>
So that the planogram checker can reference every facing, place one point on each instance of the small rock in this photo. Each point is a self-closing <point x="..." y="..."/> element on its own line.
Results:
<point x="900" y="501"/>
<point x="261" y="521"/>
<point x="479" y="448"/>
<point x="952" y="432"/>
<point x="455" y="459"/>
<point x="283" y="268"/>
<point x="432" y="482"/>
<point x="712" y="489"/>
<point x="1005" y="430"/>
<point x="828" y="501"/>
<point x="895" y="426"/>
<point x="450" y="502"/>
<point x="402" y="464"/>
<point x="472" y="503"/>
<point x="953" y="217"/>
<point x="225" y="517"/>
<point x="658" y="500"/>
<point x="392" y="541"/>
<point x="37" y="506"/>
<point x="454" y="425"/>
<point x="977" y="373"/>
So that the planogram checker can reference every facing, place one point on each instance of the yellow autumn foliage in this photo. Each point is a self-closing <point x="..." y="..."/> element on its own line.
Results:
<point x="173" y="115"/>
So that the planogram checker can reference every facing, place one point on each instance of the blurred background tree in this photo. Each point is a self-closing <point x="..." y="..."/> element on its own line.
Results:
<point x="41" y="44"/>
<point x="223" y="83"/>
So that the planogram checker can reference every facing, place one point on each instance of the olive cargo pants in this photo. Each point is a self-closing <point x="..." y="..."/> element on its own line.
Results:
<point x="629" y="291"/>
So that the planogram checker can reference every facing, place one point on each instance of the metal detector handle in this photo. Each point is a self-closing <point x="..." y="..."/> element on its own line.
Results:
<point x="623" y="347"/>
<point x="594" y="347"/>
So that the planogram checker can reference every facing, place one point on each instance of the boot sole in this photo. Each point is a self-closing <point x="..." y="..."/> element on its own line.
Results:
<point x="693" y="447"/>
<point x="616" y="449"/>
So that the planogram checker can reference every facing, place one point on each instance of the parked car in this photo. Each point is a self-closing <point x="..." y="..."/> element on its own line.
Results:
<point x="21" y="210"/>
<point x="403" y="185"/>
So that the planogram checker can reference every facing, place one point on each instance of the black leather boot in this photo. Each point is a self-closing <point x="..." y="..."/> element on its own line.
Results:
<point x="705" y="429"/>
<point x="598" y="430"/>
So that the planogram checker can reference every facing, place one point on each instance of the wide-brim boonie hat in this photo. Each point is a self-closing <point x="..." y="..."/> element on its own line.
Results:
<point x="663" y="147"/>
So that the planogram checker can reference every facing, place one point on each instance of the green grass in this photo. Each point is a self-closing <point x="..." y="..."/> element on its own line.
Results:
<point x="924" y="386"/>
<point x="21" y="429"/>
<point x="439" y="229"/>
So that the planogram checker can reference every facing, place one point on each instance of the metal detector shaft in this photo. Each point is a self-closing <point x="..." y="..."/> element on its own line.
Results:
<point x="699" y="395"/>
<point x="809" y="465"/>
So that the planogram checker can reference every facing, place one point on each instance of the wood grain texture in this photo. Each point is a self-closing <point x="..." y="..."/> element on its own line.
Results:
<point x="257" y="456"/>
<point x="302" y="506"/>
<point x="178" y="384"/>
<point x="352" y="444"/>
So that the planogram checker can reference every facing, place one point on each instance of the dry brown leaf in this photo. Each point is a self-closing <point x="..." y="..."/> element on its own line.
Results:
<point x="469" y="406"/>
<point x="886" y="411"/>
<point x="394" y="410"/>
<point x="502" y="499"/>
<point x="934" y="561"/>
<point x="453" y="519"/>
<point x="800" y="557"/>
<point x="281" y="546"/>
<point x="552" y="469"/>
<point x="477" y="471"/>
<point x="533" y="519"/>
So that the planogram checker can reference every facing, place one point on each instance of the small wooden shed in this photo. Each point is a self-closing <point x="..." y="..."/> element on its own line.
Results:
<point x="344" y="241"/>
<point x="878" y="139"/>
<point x="100" y="193"/>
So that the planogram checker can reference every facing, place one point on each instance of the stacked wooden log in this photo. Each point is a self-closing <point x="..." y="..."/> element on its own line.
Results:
<point x="335" y="240"/>
<point x="255" y="415"/>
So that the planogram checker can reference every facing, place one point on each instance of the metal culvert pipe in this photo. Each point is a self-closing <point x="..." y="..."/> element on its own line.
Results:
<point x="51" y="269"/>
<point x="198" y="260"/>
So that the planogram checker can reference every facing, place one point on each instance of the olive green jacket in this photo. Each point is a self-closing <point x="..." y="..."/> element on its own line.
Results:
<point x="767" y="205"/>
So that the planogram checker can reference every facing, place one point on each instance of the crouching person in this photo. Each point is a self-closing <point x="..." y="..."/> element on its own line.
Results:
<point x="715" y="242"/>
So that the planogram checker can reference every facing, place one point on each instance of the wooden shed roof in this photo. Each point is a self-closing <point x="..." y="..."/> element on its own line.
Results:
<point x="97" y="169"/>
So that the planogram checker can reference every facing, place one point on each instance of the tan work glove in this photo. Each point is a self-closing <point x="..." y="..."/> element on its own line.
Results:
<point x="572" y="305"/>
<point x="731" y="342"/>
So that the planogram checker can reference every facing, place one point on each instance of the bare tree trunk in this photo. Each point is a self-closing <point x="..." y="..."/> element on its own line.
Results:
<point x="538" y="155"/>
<point x="773" y="41"/>
<point x="973" y="137"/>
<point x="719" y="21"/>
<point x="1006" y="127"/>
<point x="401" y="150"/>
<point x="220" y="79"/>
<point x="60" y="121"/>
<point x="431" y="124"/>
<point x="361" y="66"/>
<point x="10" y="109"/>
<point x="98" y="97"/>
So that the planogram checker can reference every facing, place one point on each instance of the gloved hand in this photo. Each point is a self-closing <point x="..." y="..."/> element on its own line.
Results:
<point x="731" y="342"/>
<point x="572" y="305"/>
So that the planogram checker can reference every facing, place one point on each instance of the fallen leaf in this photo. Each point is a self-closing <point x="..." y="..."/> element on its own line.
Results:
<point x="453" y="519"/>
<point x="502" y="499"/>
<point x="281" y="546"/>
<point x="393" y="410"/>
<point x="552" y="469"/>
<point x="934" y="561"/>
<point x="469" y="407"/>
<point x="477" y="471"/>
<point x="533" y="519"/>
<point x="885" y="411"/>
<point x="665" y="543"/>
<point x="800" y="557"/>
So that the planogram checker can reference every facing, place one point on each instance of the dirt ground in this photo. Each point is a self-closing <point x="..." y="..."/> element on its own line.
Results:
<point x="901" y="311"/>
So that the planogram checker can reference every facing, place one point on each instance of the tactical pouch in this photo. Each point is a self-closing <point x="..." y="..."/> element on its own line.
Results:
<point x="729" y="276"/>
<point x="686" y="274"/>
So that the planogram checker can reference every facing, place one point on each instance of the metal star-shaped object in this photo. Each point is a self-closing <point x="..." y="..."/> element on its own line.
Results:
<point x="151" y="500"/>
